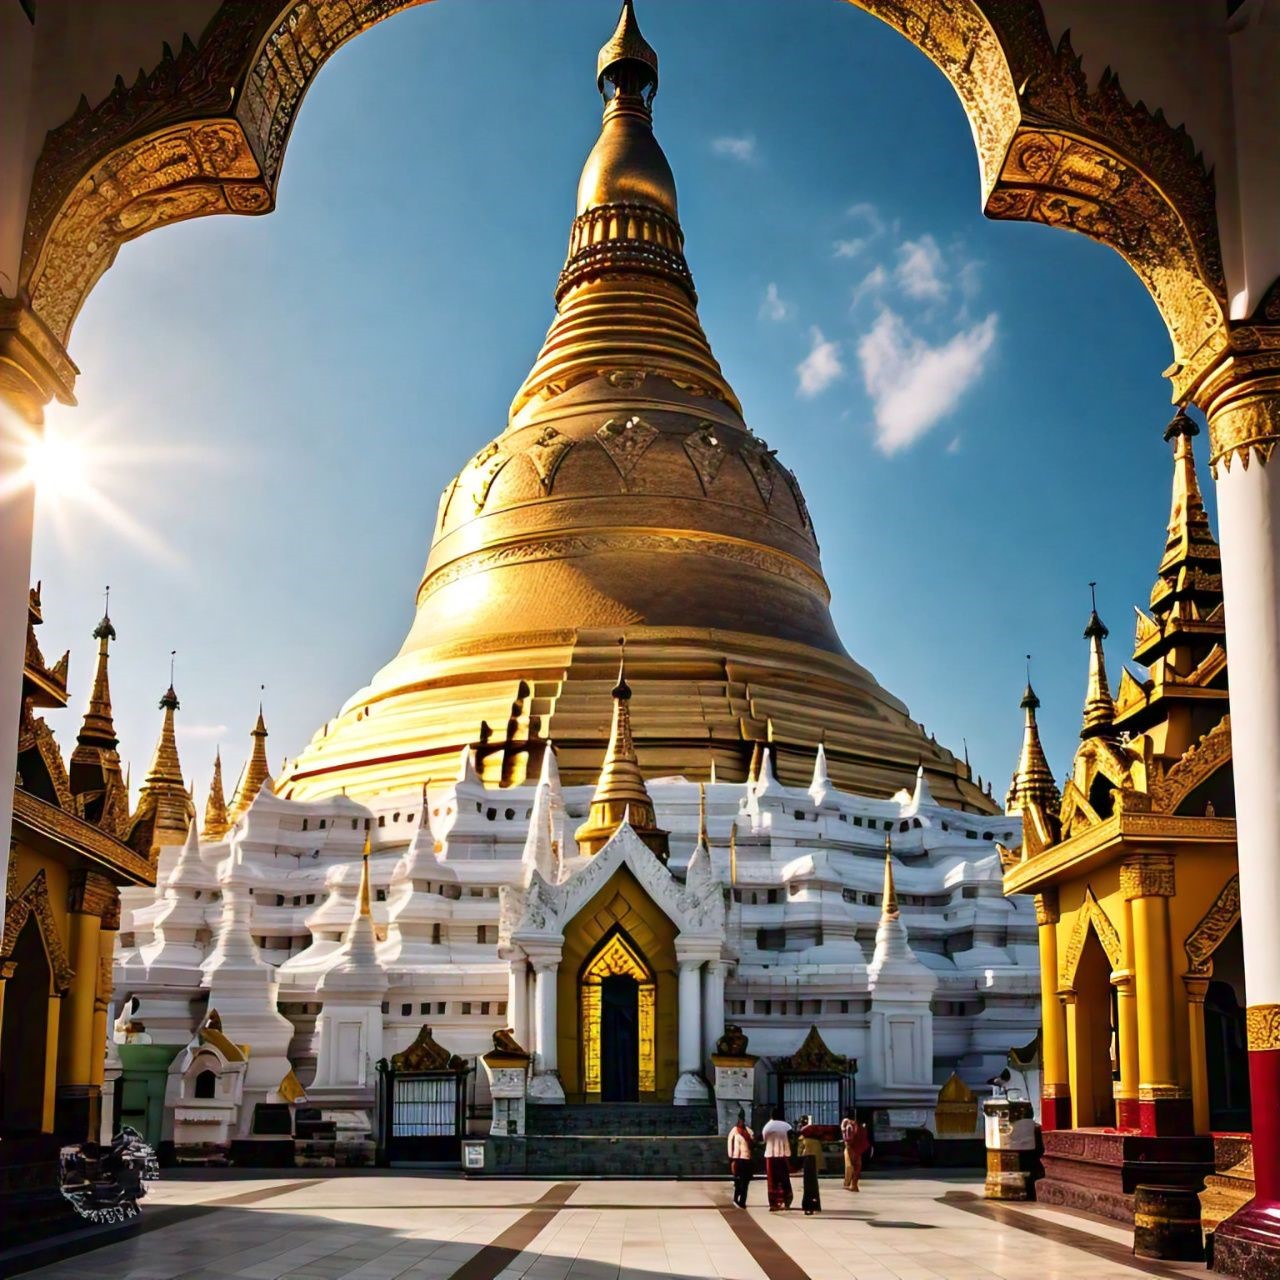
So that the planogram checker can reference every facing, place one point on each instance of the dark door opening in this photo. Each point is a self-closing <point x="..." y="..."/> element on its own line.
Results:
<point x="620" y="1039"/>
<point x="26" y="1019"/>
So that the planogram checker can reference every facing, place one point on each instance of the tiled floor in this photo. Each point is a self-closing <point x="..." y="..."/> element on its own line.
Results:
<point x="399" y="1226"/>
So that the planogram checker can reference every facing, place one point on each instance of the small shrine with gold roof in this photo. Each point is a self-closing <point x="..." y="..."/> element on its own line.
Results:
<point x="1133" y="868"/>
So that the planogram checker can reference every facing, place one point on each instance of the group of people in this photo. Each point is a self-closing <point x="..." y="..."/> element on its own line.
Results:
<point x="778" y="1157"/>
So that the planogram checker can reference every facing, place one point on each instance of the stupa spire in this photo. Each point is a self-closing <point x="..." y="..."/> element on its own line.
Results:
<point x="626" y="258"/>
<point x="164" y="808"/>
<point x="98" y="729"/>
<point x="216" y="821"/>
<point x="704" y="840"/>
<point x="621" y="793"/>
<point x="256" y="772"/>
<point x="1032" y="779"/>
<point x="1099" y="707"/>
<point x="364" y="906"/>
<point x="889" y="905"/>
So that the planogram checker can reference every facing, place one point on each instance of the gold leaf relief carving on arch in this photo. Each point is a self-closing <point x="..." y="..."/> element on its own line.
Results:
<point x="1213" y="927"/>
<point x="1089" y="916"/>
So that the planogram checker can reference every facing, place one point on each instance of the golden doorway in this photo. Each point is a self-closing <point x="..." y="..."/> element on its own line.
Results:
<point x="617" y="1000"/>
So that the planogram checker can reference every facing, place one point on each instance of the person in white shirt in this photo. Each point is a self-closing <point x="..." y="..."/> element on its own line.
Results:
<point x="740" y="1137"/>
<point x="777" y="1158"/>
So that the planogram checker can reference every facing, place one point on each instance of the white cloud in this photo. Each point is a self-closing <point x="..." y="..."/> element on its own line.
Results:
<point x="820" y="368"/>
<point x="870" y="226"/>
<point x="920" y="269"/>
<point x="872" y="283"/>
<point x="741" y="148"/>
<point x="954" y="445"/>
<point x="774" y="307"/>
<point x="914" y="385"/>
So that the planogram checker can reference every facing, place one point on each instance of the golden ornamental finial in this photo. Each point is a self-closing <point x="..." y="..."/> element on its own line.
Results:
<point x="889" y="908"/>
<point x="627" y="60"/>
<point x="366" y="898"/>
<point x="703" y="838"/>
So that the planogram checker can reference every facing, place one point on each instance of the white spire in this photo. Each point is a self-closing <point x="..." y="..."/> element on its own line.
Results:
<point x="467" y="775"/>
<point x="767" y="783"/>
<point x="821" y="783"/>
<point x="187" y="871"/>
<point x="922" y="794"/>
<point x="539" y="846"/>
<point x="360" y="946"/>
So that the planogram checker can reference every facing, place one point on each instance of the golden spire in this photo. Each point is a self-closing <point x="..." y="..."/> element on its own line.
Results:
<point x="164" y="809"/>
<point x="889" y="907"/>
<point x="621" y="793"/>
<point x="625" y="298"/>
<point x="216" y="821"/>
<point x="98" y="729"/>
<point x="703" y="838"/>
<point x="1033" y="779"/>
<point x="1099" y="707"/>
<point x="255" y="772"/>
<point x="733" y="852"/>
<point x="366" y="898"/>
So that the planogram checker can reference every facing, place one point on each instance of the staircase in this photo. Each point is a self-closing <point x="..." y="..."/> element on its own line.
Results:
<point x="621" y="1140"/>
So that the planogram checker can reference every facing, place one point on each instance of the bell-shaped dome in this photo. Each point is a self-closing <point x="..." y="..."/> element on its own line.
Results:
<point x="626" y="498"/>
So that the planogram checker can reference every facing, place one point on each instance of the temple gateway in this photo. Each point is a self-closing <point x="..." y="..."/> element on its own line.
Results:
<point x="622" y="840"/>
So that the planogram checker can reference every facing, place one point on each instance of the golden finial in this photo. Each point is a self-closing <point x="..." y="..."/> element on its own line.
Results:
<point x="256" y="771"/>
<point x="366" y="898"/>
<point x="215" y="808"/>
<point x="627" y="60"/>
<point x="1032" y="779"/>
<point x="889" y="909"/>
<point x="703" y="838"/>
<point x="621" y="794"/>
<point x="733" y="853"/>
<point x="1099" y="708"/>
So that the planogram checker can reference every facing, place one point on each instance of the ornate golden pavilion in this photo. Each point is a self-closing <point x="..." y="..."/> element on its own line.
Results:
<point x="626" y="497"/>
<point x="75" y="843"/>
<point x="1137" y="896"/>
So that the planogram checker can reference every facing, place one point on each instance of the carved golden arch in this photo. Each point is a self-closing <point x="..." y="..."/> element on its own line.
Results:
<point x="1207" y="936"/>
<point x="1090" y="916"/>
<point x="206" y="131"/>
<point x="1197" y="765"/>
<point x="34" y="901"/>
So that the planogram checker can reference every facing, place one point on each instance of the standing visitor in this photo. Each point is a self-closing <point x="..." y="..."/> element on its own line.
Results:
<point x="740" y="1160"/>
<point x="856" y="1141"/>
<point x="777" y="1154"/>
<point x="810" y="1155"/>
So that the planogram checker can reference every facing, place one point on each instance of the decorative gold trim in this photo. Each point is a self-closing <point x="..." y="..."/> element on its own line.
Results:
<point x="34" y="900"/>
<point x="34" y="367"/>
<point x="1046" y="904"/>
<point x="90" y="893"/>
<point x="1262" y="1027"/>
<point x="48" y="820"/>
<point x="1245" y="425"/>
<point x="1213" y="927"/>
<point x="563" y="546"/>
<point x="1149" y="876"/>
<point x="1089" y="913"/>
<point x="1161" y="1092"/>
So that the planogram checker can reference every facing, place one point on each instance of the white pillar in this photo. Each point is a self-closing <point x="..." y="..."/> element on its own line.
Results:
<point x="545" y="974"/>
<point x="712" y="1006"/>
<point x="518" y="1000"/>
<point x="690" y="1017"/>
<point x="1249" y="519"/>
<point x="17" y="514"/>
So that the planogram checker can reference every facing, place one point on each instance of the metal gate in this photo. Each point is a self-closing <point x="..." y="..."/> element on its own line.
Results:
<point x="821" y="1097"/>
<point x="421" y="1105"/>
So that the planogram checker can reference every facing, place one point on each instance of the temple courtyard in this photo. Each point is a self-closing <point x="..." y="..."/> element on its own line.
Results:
<point x="382" y="1226"/>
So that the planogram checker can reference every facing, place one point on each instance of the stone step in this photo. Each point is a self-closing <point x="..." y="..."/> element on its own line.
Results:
<point x="621" y="1119"/>
<point x="633" y="1156"/>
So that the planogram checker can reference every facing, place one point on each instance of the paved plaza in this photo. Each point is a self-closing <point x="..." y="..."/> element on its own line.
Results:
<point x="418" y="1227"/>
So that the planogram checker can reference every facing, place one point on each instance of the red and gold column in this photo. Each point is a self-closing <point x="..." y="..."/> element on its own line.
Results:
<point x="1242" y="402"/>
<point x="1164" y="1103"/>
<point x="1055" y="1090"/>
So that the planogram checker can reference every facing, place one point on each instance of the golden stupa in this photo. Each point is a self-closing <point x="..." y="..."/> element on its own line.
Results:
<point x="627" y="498"/>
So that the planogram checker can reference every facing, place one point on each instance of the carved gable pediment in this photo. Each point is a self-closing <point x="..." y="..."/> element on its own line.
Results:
<point x="1090" y="916"/>
<point x="1197" y="764"/>
<point x="34" y="901"/>
<point x="1077" y="813"/>
<point x="543" y="910"/>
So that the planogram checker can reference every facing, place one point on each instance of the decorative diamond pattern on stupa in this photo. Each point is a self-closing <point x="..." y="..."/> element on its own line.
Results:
<point x="488" y="462"/>
<point x="757" y="461"/>
<point x="706" y="453"/>
<point x="625" y="442"/>
<point x="546" y="453"/>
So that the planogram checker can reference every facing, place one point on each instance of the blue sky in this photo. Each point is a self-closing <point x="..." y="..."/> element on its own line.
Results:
<point x="974" y="409"/>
